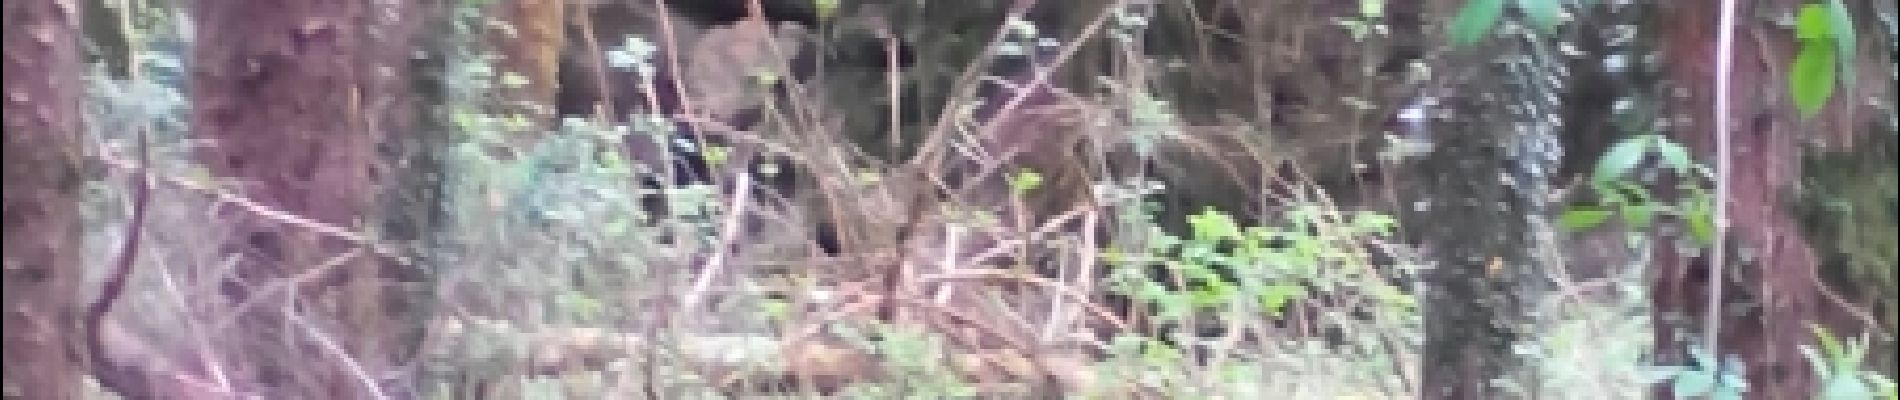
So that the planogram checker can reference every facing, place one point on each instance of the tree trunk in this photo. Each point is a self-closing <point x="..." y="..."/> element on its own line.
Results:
<point x="529" y="39"/>
<point x="296" y="99"/>
<point x="43" y="92"/>
<point x="1771" y="296"/>
<point x="1479" y="194"/>
<point x="1474" y="232"/>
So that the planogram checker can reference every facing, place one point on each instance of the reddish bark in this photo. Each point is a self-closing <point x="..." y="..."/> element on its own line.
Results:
<point x="295" y="98"/>
<point x="1772" y="294"/>
<point x="43" y="92"/>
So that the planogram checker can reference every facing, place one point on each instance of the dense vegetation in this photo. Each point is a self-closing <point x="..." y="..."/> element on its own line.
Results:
<point x="1236" y="199"/>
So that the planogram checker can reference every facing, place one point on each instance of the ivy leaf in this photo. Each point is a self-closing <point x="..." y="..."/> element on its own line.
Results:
<point x="1542" y="13"/>
<point x="1581" y="219"/>
<point x="1621" y="158"/>
<point x="1474" y="20"/>
<point x="1812" y="79"/>
<point x="1845" y="41"/>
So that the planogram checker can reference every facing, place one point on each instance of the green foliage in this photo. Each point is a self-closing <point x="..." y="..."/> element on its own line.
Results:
<point x="1479" y="17"/>
<point x="1475" y="20"/>
<point x="1025" y="181"/>
<point x="1542" y="13"/>
<point x="1828" y="46"/>
<point x="1620" y="191"/>
<point x="1838" y="367"/>
<point x="1811" y="81"/>
<point x="917" y="360"/>
<point x="1705" y="378"/>
<point x="1223" y="265"/>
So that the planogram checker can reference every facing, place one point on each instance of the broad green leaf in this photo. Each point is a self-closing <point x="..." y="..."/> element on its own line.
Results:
<point x="1811" y="23"/>
<point x="1542" y="13"/>
<point x="1674" y="155"/>
<point x="1475" y="20"/>
<point x="1845" y="41"/>
<point x="1694" y="383"/>
<point x="1582" y="219"/>
<point x="1621" y="157"/>
<point x="1846" y="387"/>
<point x="1812" y="78"/>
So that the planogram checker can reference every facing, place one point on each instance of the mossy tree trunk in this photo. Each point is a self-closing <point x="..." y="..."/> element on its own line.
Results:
<point x="1474" y="227"/>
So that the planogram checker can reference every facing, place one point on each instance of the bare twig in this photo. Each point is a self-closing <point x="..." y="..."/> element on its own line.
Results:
<point x="266" y="212"/>
<point x="729" y="231"/>
<point x="125" y="379"/>
<point x="335" y="351"/>
<point x="1000" y="275"/>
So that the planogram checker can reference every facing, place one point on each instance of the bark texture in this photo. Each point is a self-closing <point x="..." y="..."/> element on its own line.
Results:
<point x="42" y="107"/>
<point x="296" y="99"/>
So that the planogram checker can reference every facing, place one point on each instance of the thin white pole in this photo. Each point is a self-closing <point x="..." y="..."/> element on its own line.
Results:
<point x="1724" y="66"/>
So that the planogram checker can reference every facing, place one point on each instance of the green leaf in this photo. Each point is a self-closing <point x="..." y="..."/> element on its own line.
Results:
<point x="1213" y="224"/>
<point x="1025" y="181"/>
<point x="1695" y="383"/>
<point x="1372" y="8"/>
<point x="1674" y="155"/>
<point x="826" y="8"/>
<point x="1701" y="225"/>
<point x="1811" y="23"/>
<point x="1621" y="157"/>
<point x="1812" y="79"/>
<point x="1275" y="298"/>
<point x="1844" y="39"/>
<point x="1475" y="20"/>
<point x="1846" y="387"/>
<point x="1582" y="218"/>
<point x="1830" y="347"/>
<point x="1542" y="13"/>
<point x="1638" y="217"/>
